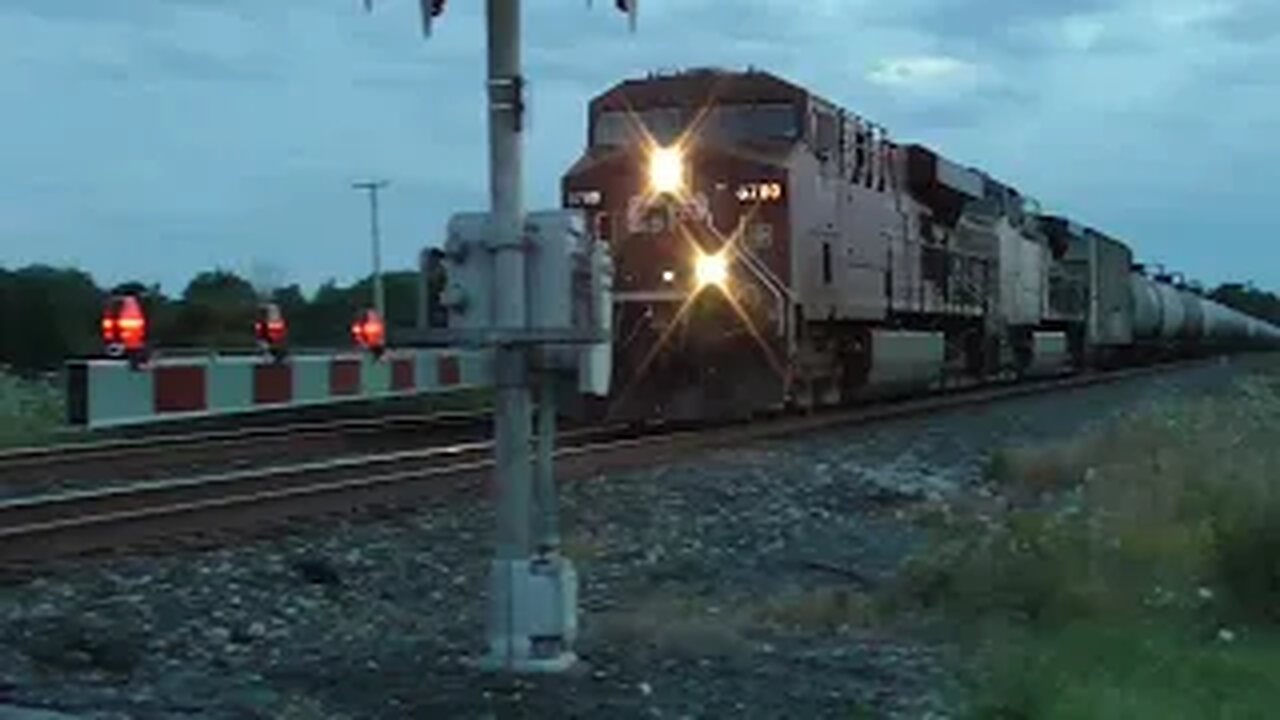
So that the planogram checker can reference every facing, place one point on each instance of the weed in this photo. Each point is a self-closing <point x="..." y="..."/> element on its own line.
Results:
<point x="30" y="410"/>
<point x="826" y="608"/>
<point x="1115" y="561"/>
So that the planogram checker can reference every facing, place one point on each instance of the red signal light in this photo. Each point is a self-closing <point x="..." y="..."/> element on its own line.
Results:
<point x="270" y="327"/>
<point x="369" y="331"/>
<point x="124" y="326"/>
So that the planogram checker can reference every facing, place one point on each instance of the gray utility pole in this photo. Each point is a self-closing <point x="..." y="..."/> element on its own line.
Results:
<point x="379" y="296"/>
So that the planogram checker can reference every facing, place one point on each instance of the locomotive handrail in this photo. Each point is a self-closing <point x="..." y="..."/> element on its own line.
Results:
<point x="782" y="294"/>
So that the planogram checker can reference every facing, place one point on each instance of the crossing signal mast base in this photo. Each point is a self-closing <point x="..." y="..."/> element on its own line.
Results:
<point x="533" y="621"/>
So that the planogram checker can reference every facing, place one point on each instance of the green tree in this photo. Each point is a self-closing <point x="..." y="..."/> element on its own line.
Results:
<point x="1248" y="299"/>
<point x="402" y="297"/>
<point x="326" y="320"/>
<point x="217" y="311"/>
<point x="47" y="315"/>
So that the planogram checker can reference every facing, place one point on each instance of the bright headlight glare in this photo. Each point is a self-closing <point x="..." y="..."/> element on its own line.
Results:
<point x="666" y="170"/>
<point x="711" y="270"/>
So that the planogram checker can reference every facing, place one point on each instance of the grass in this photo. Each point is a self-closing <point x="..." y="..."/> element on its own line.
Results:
<point x="462" y="400"/>
<point x="30" y="410"/>
<point x="1131" y="572"/>
<point x="1096" y="669"/>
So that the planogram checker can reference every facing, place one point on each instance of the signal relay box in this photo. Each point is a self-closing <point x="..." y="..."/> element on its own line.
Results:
<point x="568" y="303"/>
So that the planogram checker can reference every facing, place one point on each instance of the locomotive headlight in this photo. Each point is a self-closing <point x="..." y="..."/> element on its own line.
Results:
<point x="666" y="170"/>
<point x="711" y="270"/>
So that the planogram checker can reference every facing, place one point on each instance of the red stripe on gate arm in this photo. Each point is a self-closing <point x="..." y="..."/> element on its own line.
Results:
<point x="402" y="374"/>
<point x="344" y="377"/>
<point x="272" y="384"/>
<point x="179" y="388"/>
<point x="448" y="370"/>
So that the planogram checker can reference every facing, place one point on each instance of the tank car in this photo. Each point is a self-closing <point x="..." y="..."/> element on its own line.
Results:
<point x="1133" y="316"/>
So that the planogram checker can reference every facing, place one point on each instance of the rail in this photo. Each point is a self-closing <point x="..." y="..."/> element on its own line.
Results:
<point x="46" y="527"/>
<point x="167" y="453"/>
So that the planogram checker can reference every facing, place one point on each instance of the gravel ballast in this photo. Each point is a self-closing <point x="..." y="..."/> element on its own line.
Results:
<point x="731" y="585"/>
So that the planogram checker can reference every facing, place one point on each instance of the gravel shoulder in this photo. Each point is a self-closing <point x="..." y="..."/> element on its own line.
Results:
<point x="736" y="584"/>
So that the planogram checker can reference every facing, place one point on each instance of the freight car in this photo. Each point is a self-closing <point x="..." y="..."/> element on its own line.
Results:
<point x="773" y="249"/>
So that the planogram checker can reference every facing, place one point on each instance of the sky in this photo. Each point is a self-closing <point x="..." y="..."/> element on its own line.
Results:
<point x="152" y="139"/>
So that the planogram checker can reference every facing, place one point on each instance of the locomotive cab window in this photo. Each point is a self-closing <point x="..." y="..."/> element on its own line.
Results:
<point x="723" y="123"/>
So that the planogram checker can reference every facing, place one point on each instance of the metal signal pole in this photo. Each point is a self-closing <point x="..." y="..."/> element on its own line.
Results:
<point x="379" y="296"/>
<point x="532" y="614"/>
<point x="512" y="411"/>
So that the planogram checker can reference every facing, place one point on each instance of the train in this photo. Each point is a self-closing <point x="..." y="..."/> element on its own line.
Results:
<point x="774" y="250"/>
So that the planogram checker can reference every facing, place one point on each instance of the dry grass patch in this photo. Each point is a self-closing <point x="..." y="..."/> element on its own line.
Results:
<point x="674" y="625"/>
<point x="828" y="609"/>
<point x="582" y="547"/>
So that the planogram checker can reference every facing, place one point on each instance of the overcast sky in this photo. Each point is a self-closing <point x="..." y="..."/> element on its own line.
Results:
<point x="154" y="138"/>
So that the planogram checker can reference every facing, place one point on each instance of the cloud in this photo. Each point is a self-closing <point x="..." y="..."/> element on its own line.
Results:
<point x="925" y="73"/>
<point x="1197" y="13"/>
<point x="226" y="132"/>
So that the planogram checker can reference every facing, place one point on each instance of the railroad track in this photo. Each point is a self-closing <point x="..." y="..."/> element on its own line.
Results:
<point x="46" y="527"/>
<point x="167" y="454"/>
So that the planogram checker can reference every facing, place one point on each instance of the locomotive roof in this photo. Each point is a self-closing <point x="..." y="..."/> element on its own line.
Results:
<point x="697" y="87"/>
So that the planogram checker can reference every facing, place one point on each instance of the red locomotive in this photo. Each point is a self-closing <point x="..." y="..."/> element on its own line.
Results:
<point x="772" y="248"/>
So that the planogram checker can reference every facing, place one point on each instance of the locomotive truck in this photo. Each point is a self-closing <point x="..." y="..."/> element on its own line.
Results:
<point x="772" y="250"/>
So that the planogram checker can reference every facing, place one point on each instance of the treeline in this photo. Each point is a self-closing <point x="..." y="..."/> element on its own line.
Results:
<point x="1249" y="300"/>
<point x="48" y="315"/>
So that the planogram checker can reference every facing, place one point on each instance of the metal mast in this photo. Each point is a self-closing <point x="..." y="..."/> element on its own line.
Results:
<point x="532" y="618"/>
<point x="379" y="297"/>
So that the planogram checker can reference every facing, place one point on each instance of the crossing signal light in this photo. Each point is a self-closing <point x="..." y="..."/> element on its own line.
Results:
<point x="270" y="329"/>
<point x="431" y="9"/>
<point x="369" y="332"/>
<point x="628" y="7"/>
<point x="124" y="326"/>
